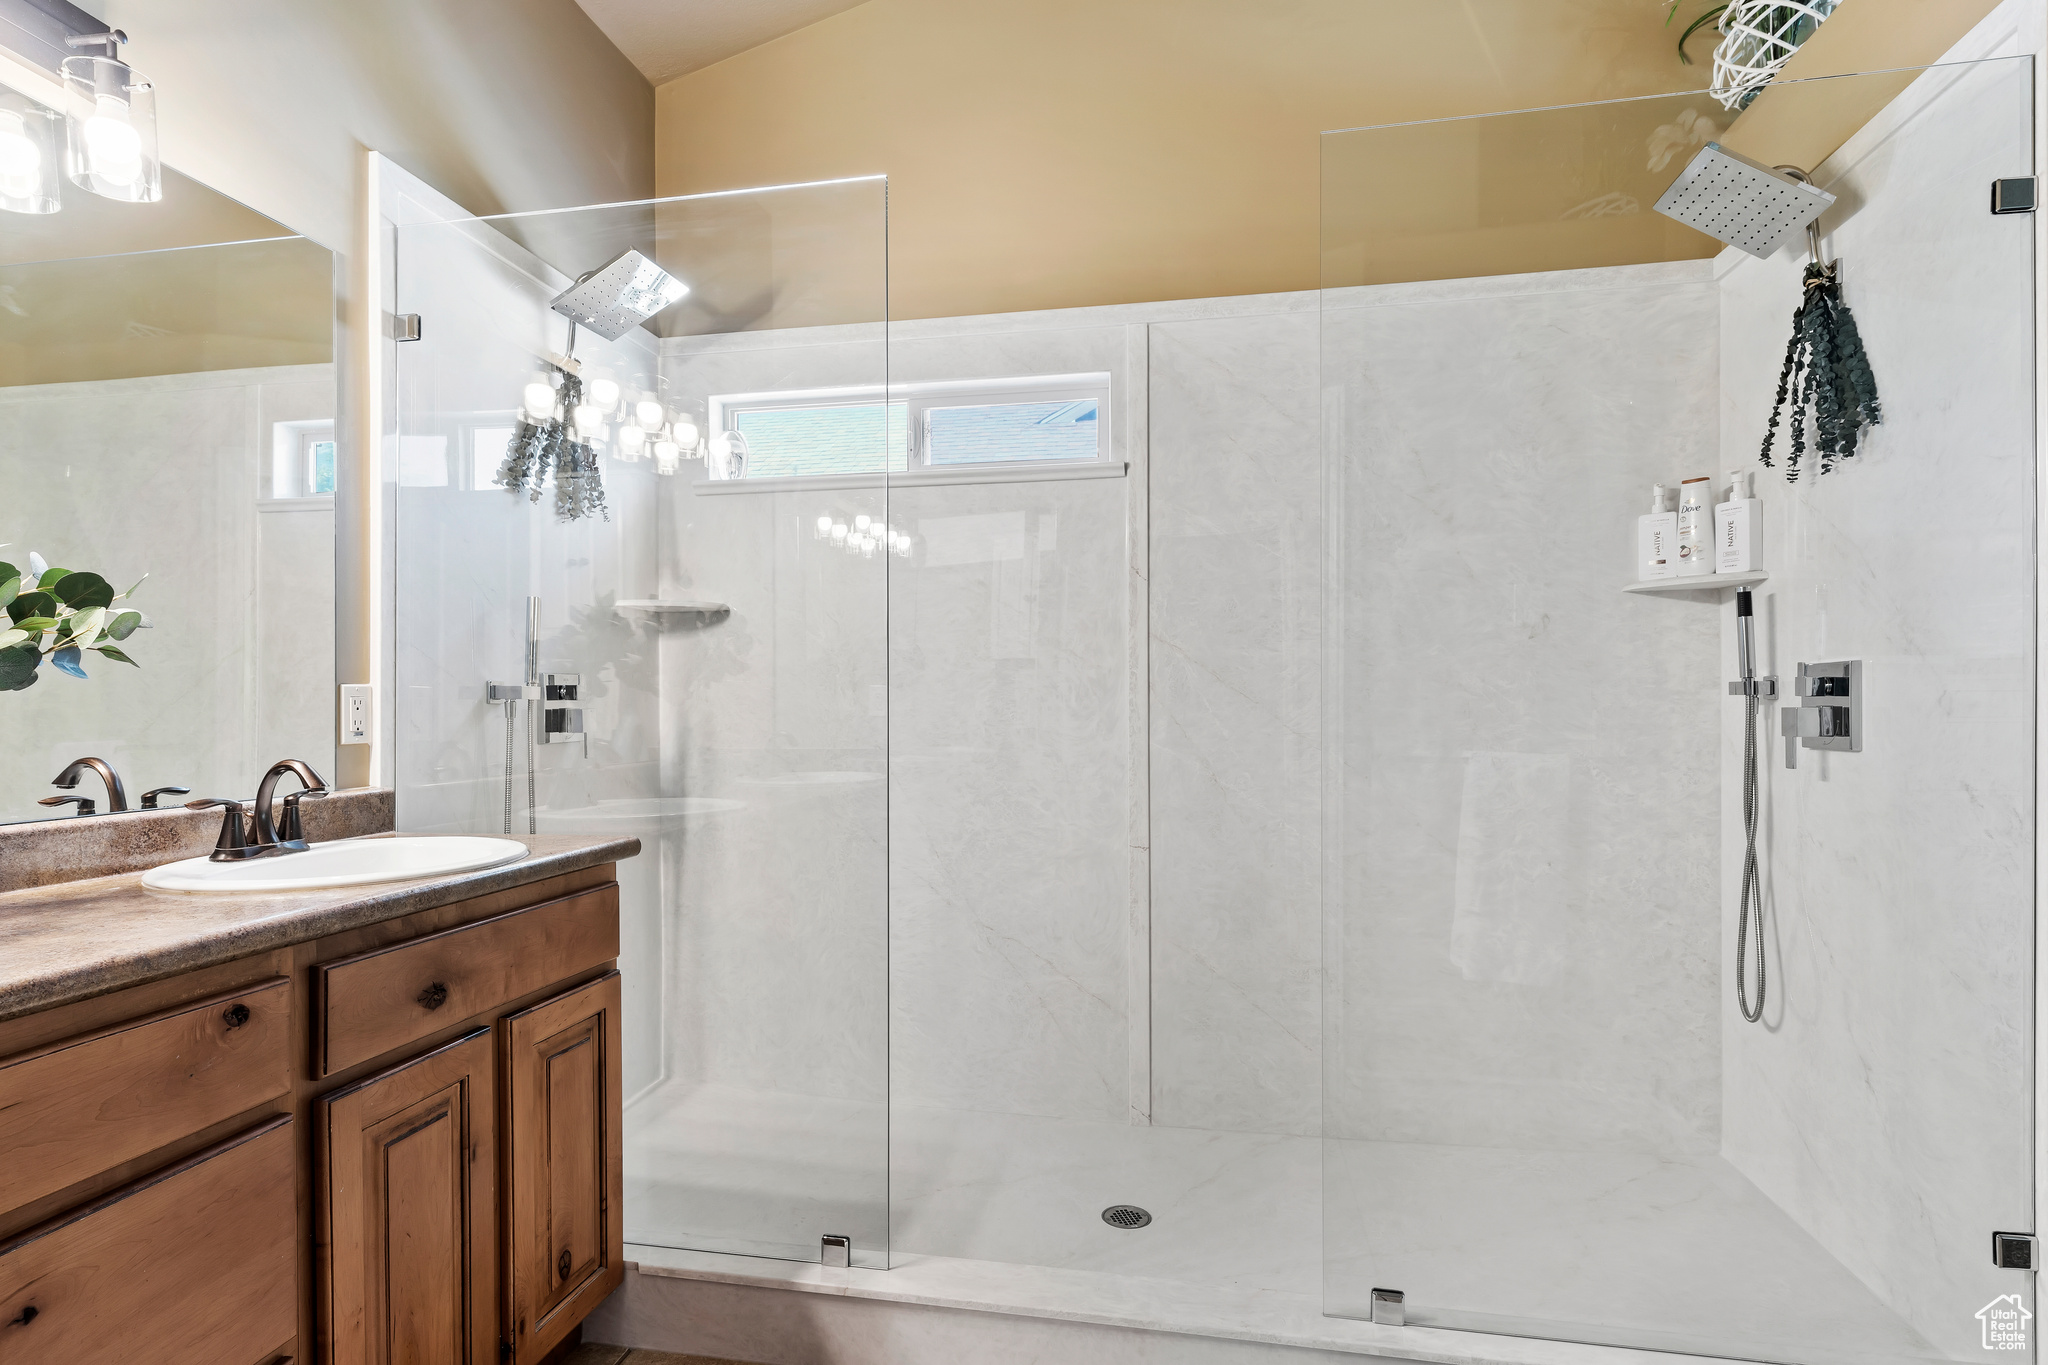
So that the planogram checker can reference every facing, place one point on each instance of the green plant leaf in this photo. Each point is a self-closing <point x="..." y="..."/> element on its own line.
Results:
<point x="138" y="583"/>
<point x="32" y="604"/>
<point x="81" y="591"/>
<point x="10" y="585"/>
<point x="81" y="628"/>
<point x="18" y="667"/>
<point x="115" y="654"/>
<point x="47" y="579"/>
<point x="123" y="625"/>
<point x="11" y="638"/>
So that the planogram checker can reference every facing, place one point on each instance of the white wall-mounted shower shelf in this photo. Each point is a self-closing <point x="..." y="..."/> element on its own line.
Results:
<point x="1706" y="582"/>
<point x="656" y="604"/>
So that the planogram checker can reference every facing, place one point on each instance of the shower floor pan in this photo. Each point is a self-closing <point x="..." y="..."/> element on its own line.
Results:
<point x="1002" y="1213"/>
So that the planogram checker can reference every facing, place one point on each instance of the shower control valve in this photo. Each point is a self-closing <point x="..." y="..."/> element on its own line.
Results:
<point x="1829" y="714"/>
<point x="562" y="724"/>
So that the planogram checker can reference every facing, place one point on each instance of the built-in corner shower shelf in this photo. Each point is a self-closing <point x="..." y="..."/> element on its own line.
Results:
<point x="1705" y="582"/>
<point x="661" y="606"/>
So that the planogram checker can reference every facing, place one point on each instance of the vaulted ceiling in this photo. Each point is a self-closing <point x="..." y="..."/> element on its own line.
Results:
<point x="670" y="38"/>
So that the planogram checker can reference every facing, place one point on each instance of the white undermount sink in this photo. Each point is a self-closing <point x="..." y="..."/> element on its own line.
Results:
<point x="348" y="862"/>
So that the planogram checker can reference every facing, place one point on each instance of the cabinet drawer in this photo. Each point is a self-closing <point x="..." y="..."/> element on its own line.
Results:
<point x="194" y="1265"/>
<point x="87" y="1104"/>
<point x="371" y="1003"/>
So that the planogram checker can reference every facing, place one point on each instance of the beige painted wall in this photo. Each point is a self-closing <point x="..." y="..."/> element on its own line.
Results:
<point x="1051" y="153"/>
<point x="1055" y="153"/>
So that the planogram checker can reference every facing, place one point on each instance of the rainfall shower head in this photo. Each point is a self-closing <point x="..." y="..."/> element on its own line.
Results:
<point x="1734" y="199"/>
<point x="619" y="295"/>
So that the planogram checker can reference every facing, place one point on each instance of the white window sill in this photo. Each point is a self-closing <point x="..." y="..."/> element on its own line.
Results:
<point x="318" y="502"/>
<point x="923" y="478"/>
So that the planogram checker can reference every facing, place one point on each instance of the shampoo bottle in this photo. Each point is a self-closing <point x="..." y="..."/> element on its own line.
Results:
<point x="1738" y="527"/>
<point x="1695" y="527"/>
<point x="1657" y="536"/>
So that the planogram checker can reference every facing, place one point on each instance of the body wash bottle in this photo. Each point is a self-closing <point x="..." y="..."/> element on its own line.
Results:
<point x="1695" y="527"/>
<point x="1657" y="536"/>
<point x="1738" y="527"/>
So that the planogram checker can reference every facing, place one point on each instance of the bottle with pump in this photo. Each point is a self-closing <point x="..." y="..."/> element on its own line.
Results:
<point x="1695" y="527"/>
<point x="1738" y="526"/>
<point x="1657" y="536"/>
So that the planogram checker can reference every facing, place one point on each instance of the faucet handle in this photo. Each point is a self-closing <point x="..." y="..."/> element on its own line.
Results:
<point x="149" y="797"/>
<point x="233" y="844"/>
<point x="289" y="830"/>
<point x="84" y="803"/>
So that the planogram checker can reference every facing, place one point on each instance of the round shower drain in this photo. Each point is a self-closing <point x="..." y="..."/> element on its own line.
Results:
<point x="1125" y="1216"/>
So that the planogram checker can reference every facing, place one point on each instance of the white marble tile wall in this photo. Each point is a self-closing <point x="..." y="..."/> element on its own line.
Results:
<point x="1884" y="1100"/>
<point x="1236" y="607"/>
<point x="1523" y="947"/>
<point x="164" y="475"/>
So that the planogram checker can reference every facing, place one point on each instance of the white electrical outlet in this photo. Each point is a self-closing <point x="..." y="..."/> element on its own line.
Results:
<point x="356" y="712"/>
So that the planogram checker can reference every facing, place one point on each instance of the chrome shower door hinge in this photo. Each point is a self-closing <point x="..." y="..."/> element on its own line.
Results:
<point x="835" y="1250"/>
<point x="2013" y="196"/>
<point x="1390" y="1308"/>
<point x="2013" y="1250"/>
<point x="405" y="326"/>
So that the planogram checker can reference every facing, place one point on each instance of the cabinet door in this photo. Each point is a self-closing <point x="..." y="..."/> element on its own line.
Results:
<point x="563" y="1183"/>
<point x="406" y="1170"/>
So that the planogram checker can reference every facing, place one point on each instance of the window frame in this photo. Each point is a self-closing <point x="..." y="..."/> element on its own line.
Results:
<point x="291" y="461"/>
<point x="723" y="412"/>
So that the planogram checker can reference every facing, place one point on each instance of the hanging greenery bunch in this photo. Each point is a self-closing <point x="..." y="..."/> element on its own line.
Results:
<point x="549" y="446"/>
<point x="1826" y="377"/>
<point x="60" y="615"/>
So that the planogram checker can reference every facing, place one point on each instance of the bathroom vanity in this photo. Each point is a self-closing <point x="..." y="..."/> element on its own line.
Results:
<point x="363" y="1124"/>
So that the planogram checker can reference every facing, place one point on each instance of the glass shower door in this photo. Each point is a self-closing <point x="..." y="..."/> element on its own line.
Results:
<point x="1545" y="1111"/>
<point x="731" y="674"/>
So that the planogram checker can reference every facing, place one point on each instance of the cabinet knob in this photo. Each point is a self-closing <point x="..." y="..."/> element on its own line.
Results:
<point x="563" y="1264"/>
<point x="236" y="1015"/>
<point x="434" y="996"/>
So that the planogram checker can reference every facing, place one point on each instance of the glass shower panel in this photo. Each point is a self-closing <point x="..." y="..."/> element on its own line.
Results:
<point x="731" y="678"/>
<point x="1546" y="1113"/>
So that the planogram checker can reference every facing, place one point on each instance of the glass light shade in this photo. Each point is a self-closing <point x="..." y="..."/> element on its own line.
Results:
<point x="838" y="532"/>
<point x="588" y="419"/>
<point x="824" y="527"/>
<point x="665" y="457"/>
<point x="631" y="438"/>
<point x="540" y="401"/>
<point x="862" y="522"/>
<point x="721" y="445"/>
<point x="31" y="156"/>
<point x="110" y="130"/>
<point x="686" y="434"/>
<point x="604" y="394"/>
<point x="650" y="414"/>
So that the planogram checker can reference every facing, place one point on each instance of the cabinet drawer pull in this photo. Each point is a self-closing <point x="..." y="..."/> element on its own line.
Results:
<point x="236" y="1015"/>
<point x="434" y="996"/>
<point x="563" y="1264"/>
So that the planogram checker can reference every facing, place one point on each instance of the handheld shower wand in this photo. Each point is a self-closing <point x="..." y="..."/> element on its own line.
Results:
<point x="1754" y="691"/>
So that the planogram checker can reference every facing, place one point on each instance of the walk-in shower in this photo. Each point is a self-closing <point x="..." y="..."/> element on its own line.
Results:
<point x="1104" y="862"/>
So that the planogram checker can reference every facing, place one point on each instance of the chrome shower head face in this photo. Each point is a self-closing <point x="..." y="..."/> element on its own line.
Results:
<point x="619" y="295"/>
<point x="1737" y="201"/>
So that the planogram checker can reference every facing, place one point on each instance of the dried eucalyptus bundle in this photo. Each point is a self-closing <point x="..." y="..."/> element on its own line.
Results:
<point x="538" y="448"/>
<point x="1827" y="378"/>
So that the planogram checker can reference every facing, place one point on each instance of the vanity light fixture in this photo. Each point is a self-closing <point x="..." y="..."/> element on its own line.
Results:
<point x="110" y="123"/>
<point x="31" y="156"/>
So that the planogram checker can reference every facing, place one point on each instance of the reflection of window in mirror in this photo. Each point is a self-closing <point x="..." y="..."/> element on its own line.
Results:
<point x="487" y="456"/>
<point x="302" y="459"/>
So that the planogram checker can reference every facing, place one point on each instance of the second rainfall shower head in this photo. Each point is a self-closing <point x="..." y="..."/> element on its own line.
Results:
<point x="1740" y="202"/>
<point x="619" y="295"/>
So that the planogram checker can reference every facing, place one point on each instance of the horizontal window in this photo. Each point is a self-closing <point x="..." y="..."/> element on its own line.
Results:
<point x="1034" y="421"/>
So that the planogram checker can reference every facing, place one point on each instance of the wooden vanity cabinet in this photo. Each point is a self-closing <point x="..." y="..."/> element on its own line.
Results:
<point x="399" y="1145"/>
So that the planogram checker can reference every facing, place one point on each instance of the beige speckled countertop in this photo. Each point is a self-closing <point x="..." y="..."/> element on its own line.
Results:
<point x="79" y="939"/>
